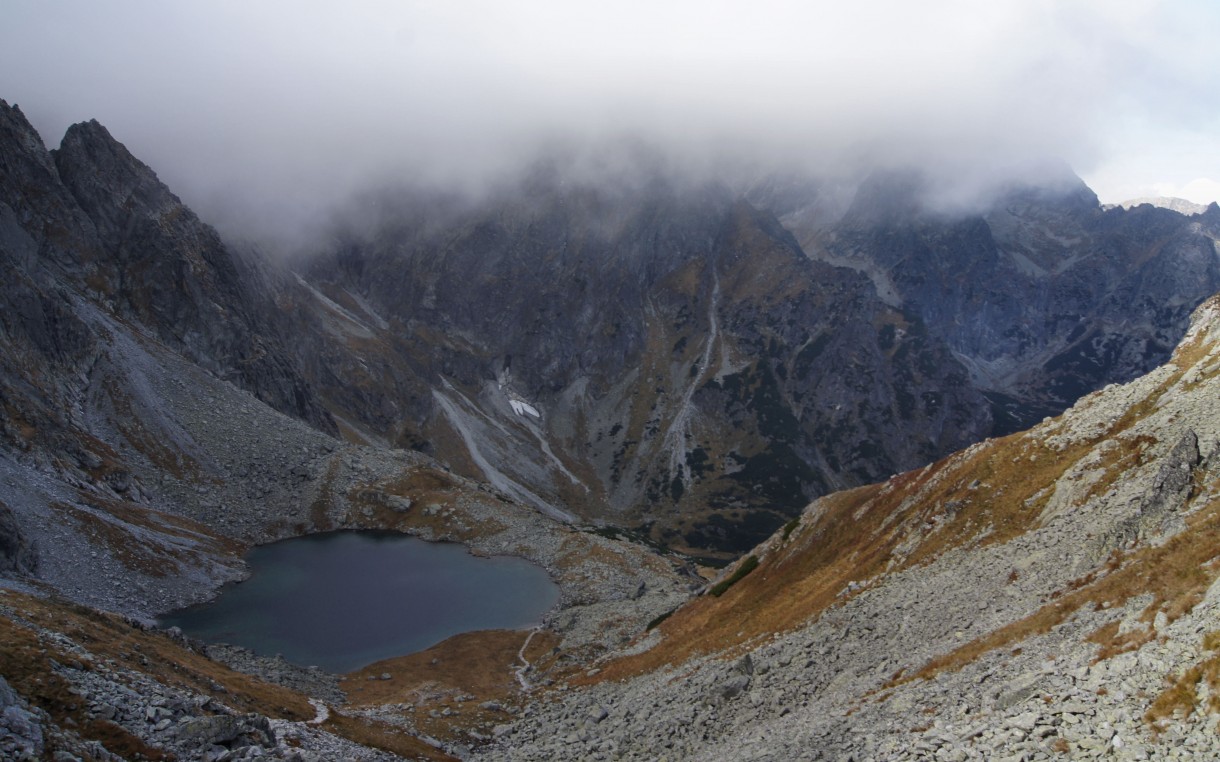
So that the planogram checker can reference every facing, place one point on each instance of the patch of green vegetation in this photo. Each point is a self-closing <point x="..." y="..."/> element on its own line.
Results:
<point x="640" y="536"/>
<point x="790" y="527"/>
<point x="777" y="476"/>
<point x="699" y="463"/>
<point x="748" y="565"/>
<point x="677" y="488"/>
<point x="708" y="561"/>
<point x="609" y="532"/>
<point x="657" y="620"/>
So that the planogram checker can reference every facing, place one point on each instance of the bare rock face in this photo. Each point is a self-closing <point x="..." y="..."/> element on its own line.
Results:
<point x="123" y="316"/>
<point x="1052" y="593"/>
<point x="693" y="370"/>
<point x="171" y="272"/>
<point x="666" y="354"/>
<point x="90" y="224"/>
<point x="1041" y="294"/>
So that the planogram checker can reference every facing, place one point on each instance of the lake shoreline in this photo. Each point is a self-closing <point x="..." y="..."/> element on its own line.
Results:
<point x="435" y="592"/>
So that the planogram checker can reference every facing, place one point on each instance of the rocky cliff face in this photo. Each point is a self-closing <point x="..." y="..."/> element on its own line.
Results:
<point x="699" y="371"/>
<point x="1042" y="295"/>
<point x="141" y="452"/>
<point x="679" y="357"/>
<point x="691" y="370"/>
<point x="91" y="218"/>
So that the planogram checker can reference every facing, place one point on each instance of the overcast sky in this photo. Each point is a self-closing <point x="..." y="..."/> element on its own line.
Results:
<point x="273" y="108"/>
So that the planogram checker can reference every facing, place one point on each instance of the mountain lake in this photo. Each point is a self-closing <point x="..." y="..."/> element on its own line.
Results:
<point x="343" y="600"/>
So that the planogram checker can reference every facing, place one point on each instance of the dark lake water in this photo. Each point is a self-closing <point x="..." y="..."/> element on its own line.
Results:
<point x="343" y="600"/>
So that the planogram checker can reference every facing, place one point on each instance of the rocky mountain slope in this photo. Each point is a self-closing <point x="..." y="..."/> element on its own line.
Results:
<point x="703" y="362"/>
<point x="1041" y="293"/>
<point x="1048" y="593"/>
<point x="671" y="342"/>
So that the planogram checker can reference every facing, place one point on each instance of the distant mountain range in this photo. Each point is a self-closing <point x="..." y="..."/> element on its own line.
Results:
<point x="1180" y="205"/>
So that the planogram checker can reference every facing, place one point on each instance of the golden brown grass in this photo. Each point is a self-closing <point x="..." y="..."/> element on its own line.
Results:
<point x="1181" y="699"/>
<point x="107" y="636"/>
<point x="26" y="662"/>
<point x="854" y="536"/>
<point x="382" y="735"/>
<point x="476" y="664"/>
<point x="424" y="486"/>
<point x="1113" y="642"/>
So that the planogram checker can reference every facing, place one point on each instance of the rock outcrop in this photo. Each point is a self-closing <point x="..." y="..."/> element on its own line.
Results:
<point x="1041" y="293"/>
<point x="17" y="554"/>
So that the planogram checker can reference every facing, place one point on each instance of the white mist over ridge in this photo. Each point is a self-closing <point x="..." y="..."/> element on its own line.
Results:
<point x="266" y="114"/>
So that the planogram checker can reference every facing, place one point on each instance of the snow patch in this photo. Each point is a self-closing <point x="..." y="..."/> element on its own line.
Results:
<point x="463" y="416"/>
<point x="523" y="408"/>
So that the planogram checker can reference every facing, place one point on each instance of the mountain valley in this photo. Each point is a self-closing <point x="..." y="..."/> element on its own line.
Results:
<point x="958" y="465"/>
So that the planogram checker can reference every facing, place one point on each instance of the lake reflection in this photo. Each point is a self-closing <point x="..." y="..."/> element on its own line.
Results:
<point x="343" y="600"/>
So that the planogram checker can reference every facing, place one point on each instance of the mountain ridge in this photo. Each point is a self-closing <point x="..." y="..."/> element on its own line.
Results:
<point x="1028" y="304"/>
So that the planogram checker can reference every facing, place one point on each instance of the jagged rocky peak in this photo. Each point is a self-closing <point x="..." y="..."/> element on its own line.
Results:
<point x="112" y="185"/>
<point x="43" y="219"/>
<point x="650" y="352"/>
<point x="678" y="341"/>
<point x="640" y="307"/>
<point x="675" y="336"/>
<point x="21" y="141"/>
<point x="93" y="223"/>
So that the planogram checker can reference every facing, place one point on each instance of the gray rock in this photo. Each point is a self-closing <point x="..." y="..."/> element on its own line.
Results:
<point x="21" y="730"/>
<point x="733" y="687"/>
<point x="227" y="730"/>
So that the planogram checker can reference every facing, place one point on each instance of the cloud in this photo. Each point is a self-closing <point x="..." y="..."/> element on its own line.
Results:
<point x="270" y="111"/>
